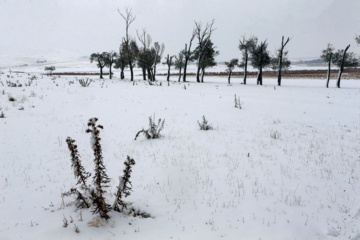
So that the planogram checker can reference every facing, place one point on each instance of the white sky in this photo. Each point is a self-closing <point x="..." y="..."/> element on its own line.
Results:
<point x="81" y="27"/>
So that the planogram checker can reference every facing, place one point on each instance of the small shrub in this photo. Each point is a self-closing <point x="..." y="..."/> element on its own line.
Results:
<point x="11" y="84"/>
<point x="77" y="230"/>
<point x="50" y="69"/>
<point x="237" y="102"/>
<point x="275" y="135"/>
<point x="204" y="124"/>
<point x="2" y="115"/>
<point x="12" y="99"/>
<point x="65" y="222"/>
<point x="85" y="83"/>
<point x="154" y="129"/>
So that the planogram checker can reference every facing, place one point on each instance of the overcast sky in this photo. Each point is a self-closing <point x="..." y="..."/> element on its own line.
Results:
<point x="81" y="27"/>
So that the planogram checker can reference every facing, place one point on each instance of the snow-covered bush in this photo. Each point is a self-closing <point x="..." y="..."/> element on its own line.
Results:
<point x="204" y="124"/>
<point x="154" y="129"/>
<point x="275" y="135"/>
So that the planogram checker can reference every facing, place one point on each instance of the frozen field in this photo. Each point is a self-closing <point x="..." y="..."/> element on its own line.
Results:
<point x="285" y="166"/>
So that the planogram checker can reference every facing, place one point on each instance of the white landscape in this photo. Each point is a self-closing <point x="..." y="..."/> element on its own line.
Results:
<point x="284" y="166"/>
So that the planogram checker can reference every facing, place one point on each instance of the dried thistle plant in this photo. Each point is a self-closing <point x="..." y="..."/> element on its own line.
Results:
<point x="124" y="187"/>
<point x="100" y="178"/>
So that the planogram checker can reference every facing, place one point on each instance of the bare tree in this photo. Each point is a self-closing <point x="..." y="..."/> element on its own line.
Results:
<point x="50" y="69"/>
<point x="203" y="35"/>
<point x="179" y="62"/>
<point x="159" y="51"/>
<point x="208" y="57"/>
<point x="129" y="18"/>
<point x="280" y="56"/>
<point x="188" y="54"/>
<point x="327" y="55"/>
<point x="121" y="61"/>
<point x="100" y="59"/>
<point x="245" y="46"/>
<point x="343" y="59"/>
<point x="145" y="40"/>
<point x="169" y="62"/>
<point x="260" y="58"/>
<point x="110" y="59"/>
<point x="230" y="67"/>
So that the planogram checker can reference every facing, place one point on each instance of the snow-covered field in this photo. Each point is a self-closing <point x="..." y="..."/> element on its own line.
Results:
<point x="285" y="166"/>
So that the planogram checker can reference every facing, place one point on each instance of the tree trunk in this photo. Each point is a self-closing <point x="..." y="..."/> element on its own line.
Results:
<point x="245" y="70"/>
<point x="342" y="67"/>
<point x="101" y="72"/>
<point x="168" y="74"/>
<point x="259" y="77"/>
<point x="281" y="57"/>
<point x="229" y="77"/>
<point x="154" y="73"/>
<point x="339" y="78"/>
<point x="198" y="74"/>
<point x="202" y="74"/>
<point x="179" y="74"/>
<point x="144" y="73"/>
<point x="110" y="73"/>
<point x="131" y="71"/>
<point x="328" y="74"/>
<point x="149" y="74"/>
<point x="186" y="62"/>
<point x="280" y="63"/>
<point x="122" y="75"/>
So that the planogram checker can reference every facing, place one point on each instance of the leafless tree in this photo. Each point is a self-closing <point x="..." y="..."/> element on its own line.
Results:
<point x="230" y="67"/>
<point x="327" y="55"/>
<point x="159" y="51"/>
<point x="129" y="18"/>
<point x="260" y="58"/>
<point x="169" y="62"/>
<point x="110" y="59"/>
<point x="145" y="40"/>
<point x="343" y="59"/>
<point x="188" y="54"/>
<point x="179" y="62"/>
<point x="245" y="46"/>
<point x="280" y="56"/>
<point x="99" y="58"/>
<point x="203" y="35"/>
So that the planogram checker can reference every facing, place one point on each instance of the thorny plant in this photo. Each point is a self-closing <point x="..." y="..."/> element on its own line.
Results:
<point x="88" y="196"/>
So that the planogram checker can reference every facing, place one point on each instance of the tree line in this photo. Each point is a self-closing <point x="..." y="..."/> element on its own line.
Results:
<point x="147" y="54"/>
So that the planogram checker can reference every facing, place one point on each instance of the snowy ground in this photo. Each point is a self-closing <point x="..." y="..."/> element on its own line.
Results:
<point x="285" y="166"/>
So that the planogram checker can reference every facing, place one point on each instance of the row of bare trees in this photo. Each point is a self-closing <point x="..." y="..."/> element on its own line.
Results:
<point x="341" y="58"/>
<point x="259" y="57"/>
<point x="257" y="54"/>
<point x="147" y="55"/>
